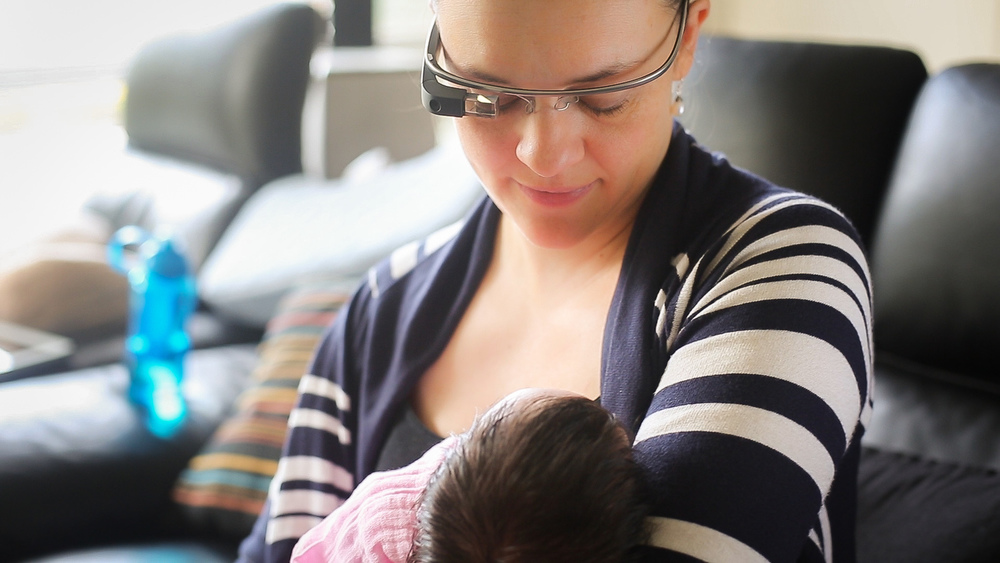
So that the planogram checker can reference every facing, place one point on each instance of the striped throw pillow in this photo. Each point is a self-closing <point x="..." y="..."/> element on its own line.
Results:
<point x="224" y="487"/>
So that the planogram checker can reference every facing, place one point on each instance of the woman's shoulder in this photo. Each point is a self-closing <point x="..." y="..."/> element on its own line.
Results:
<point x="415" y="271"/>
<point x="409" y="263"/>
<point x="727" y="201"/>
<point x="763" y="222"/>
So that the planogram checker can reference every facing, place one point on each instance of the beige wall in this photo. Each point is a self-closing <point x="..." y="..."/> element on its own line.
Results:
<point x="943" y="32"/>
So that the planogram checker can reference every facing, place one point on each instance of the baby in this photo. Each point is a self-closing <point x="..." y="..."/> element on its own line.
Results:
<point x="543" y="475"/>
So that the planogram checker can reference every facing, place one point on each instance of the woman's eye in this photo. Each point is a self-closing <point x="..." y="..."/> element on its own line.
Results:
<point x="604" y="104"/>
<point x="597" y="104"/>
<point x="507" y="102"/>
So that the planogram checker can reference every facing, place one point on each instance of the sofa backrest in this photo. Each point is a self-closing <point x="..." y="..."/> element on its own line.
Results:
<point x="936" y="254"/>
<point x="819" y="118"/>
<point x="229" y="98"/>
<point x="210" y="118"/>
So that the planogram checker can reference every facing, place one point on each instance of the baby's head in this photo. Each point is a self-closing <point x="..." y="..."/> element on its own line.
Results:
<point x="542" y="476"/>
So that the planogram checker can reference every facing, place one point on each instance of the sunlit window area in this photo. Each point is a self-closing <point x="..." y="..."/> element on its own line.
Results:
<point x="62" y="65"/>
<point x="62" y="68"/>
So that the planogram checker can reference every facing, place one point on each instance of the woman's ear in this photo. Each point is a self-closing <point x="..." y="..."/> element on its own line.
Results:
<point x="698" y="11"/>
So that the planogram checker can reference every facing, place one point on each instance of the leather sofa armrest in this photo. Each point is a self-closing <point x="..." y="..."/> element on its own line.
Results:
<point x="205" y="329"/>
<point x="78" y="467"/>
<point x="934" y="414"/>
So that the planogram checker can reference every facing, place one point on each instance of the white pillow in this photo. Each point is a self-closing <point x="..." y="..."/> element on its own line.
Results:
<point x="299" y="230"/>
<point x="187" y="201"/>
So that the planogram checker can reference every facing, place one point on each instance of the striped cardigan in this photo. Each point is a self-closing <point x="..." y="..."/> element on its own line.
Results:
<point x="737" y="347"/>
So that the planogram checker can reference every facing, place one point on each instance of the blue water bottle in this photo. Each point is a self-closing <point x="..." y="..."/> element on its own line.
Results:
<point x="161" y="301"/>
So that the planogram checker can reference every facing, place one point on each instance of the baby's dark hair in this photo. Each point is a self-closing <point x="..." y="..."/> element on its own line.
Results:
<point x="553" y="481"/>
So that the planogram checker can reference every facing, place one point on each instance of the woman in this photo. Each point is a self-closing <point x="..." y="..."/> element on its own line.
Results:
<point x="724" y="320"/>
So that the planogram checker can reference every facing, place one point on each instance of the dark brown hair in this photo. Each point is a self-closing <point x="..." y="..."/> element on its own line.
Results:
<point x="669" y="3"/>
<point x="554" y="481"/>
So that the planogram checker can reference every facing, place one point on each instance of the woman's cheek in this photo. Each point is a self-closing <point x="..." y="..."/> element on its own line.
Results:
<point x="490" y="154"/>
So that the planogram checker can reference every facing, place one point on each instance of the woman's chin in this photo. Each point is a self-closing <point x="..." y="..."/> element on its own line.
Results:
<point x="551" y="235"/>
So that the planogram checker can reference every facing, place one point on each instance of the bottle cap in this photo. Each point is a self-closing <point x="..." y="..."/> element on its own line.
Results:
<point x="166" y="261"/>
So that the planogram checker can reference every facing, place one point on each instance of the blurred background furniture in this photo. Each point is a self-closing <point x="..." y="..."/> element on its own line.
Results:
<point x="210" y="117"/>
<point x="213" y="119"/>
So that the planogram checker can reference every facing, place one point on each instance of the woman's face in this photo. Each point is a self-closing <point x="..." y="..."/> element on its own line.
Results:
<point x="564" y="177"/>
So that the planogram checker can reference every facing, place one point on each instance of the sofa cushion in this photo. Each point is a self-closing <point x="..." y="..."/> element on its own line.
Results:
<point x="299" y="230"/>
<point x="923" y="412"/>
<point x="191" y="202"/>
<point x="915" y="510"/>
<point x="224" y="487"/>
<point x="79" y="467"/>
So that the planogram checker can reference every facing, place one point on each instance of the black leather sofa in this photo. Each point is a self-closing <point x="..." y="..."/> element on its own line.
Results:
<point x="911" y="159"/>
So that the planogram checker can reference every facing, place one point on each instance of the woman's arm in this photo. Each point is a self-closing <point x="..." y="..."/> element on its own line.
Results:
<point x="765" y="393"/>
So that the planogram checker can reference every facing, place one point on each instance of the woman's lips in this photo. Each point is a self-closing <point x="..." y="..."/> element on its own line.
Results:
<point x="556" y="196"/>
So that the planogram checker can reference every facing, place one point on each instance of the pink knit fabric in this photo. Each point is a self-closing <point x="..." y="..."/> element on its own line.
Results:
<point x="377" y="522"/>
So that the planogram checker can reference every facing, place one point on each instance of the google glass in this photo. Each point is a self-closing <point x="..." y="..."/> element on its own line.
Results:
<point x="459" y="101"/>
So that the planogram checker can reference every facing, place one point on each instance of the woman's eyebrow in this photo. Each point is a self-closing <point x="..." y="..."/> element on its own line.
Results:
<point x="612" y="70"/>
<point x="482" y="76"/>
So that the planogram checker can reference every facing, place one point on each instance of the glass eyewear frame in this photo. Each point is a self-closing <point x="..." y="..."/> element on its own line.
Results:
<point x="458" y="101"/>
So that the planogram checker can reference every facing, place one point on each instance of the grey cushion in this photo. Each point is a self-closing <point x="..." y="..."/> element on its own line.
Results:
<point x="161" y="194"/>
<point x="299" y="230"/>
<point x="231" y="97"/>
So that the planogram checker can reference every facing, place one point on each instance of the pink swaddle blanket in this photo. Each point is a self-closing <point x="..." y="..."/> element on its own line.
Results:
<point x="377" y="522"/>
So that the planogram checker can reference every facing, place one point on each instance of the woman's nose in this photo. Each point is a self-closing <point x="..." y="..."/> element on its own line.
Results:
<point x="550" y="142"/>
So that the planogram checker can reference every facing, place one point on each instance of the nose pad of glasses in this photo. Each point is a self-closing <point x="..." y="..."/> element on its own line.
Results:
<point x="529" y="104"/>
<point x="562" y="103"/>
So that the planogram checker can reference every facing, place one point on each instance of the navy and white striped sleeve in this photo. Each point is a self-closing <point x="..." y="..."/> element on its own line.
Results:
<point x="315" y="472"/>
<point x="765" y="390"/>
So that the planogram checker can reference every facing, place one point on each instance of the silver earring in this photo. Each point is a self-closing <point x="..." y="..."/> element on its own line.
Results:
<point x="675" y="91"/>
